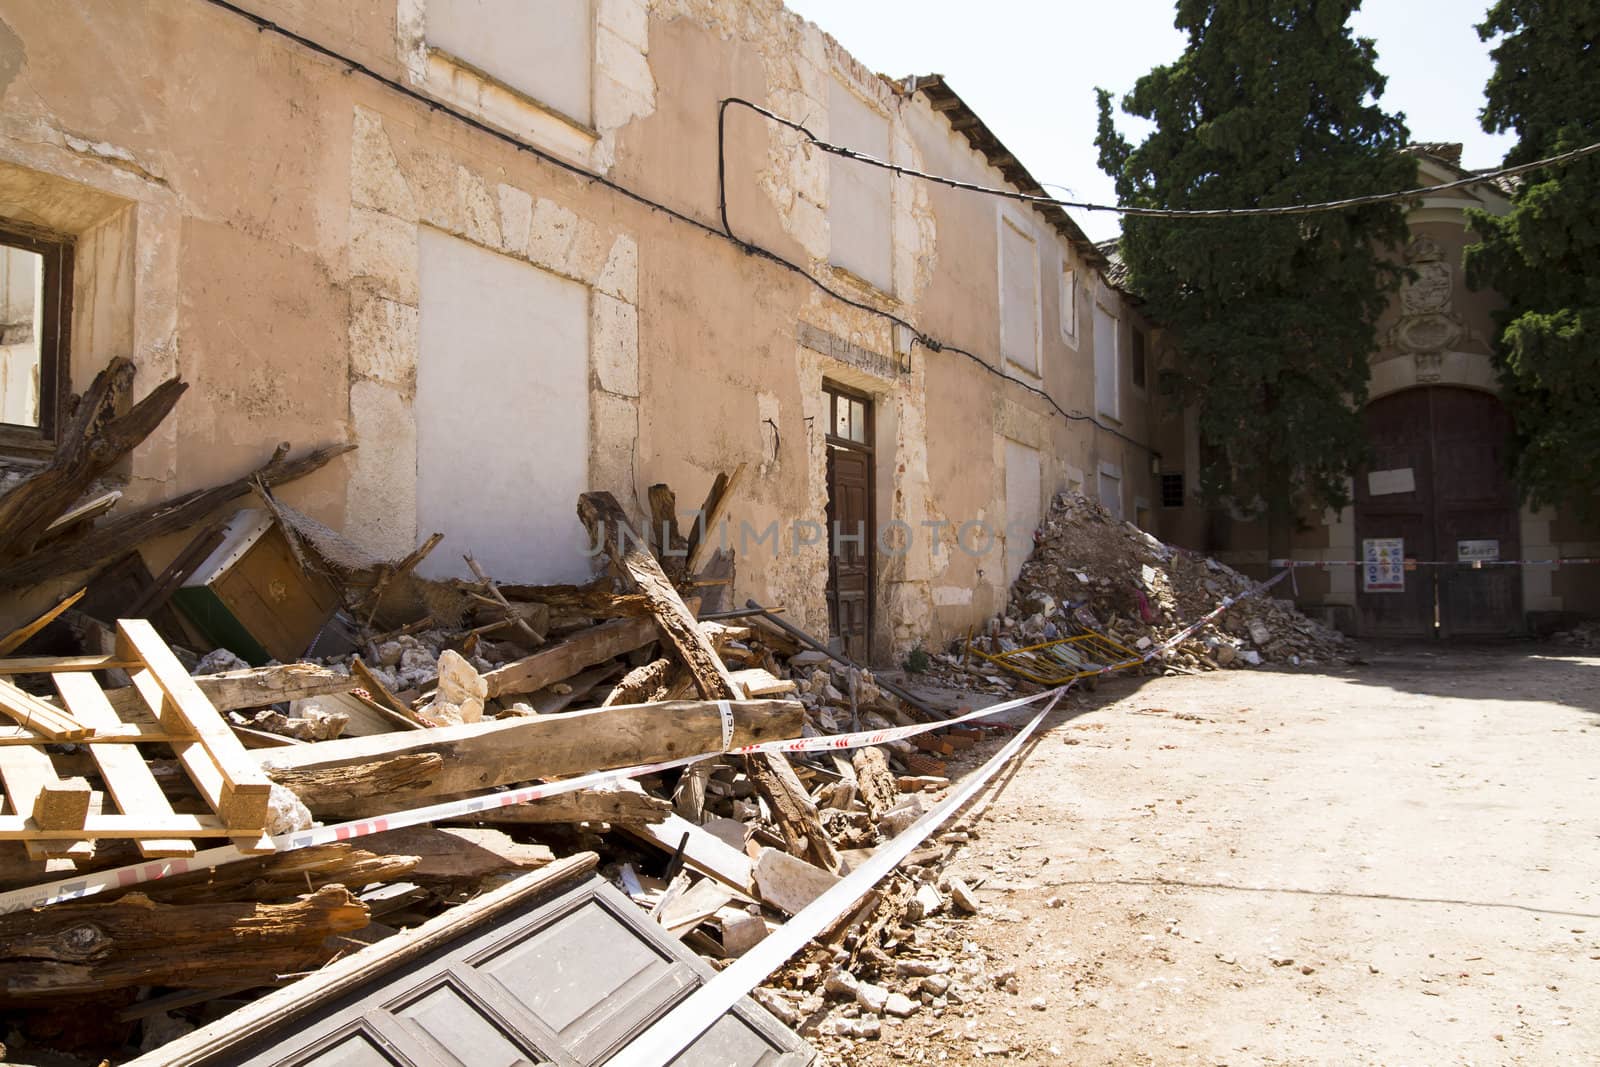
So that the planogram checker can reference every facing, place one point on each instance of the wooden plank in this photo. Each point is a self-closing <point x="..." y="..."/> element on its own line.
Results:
<point x="28" y="772"/>
<point x="704" y="537"/>
<point x="15" y="639"/>
<point x="62" y="804"/>
<point x="706" y="853"/>
<point x="245" y="789"/>
<point x="136" y="827"/>
<point x="380" y="694"/>
<point x="52" y="664"/>
<point x="48" y="720"/>
<point x="128" y="778"/>
<point x="474" y="757"/>
<point x="609" y="526"/>
<point x="760" y="682"/>
<point x="561" y="661"/>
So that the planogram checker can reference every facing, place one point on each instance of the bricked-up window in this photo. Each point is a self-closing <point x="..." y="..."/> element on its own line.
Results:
<point x="1172" y="489"/>
<point x="1136" y="359"/>
<point x="35" y="308"/>
<point x="1019" y="296"/>
<point x="860" y="197"/>
<point x="1107" y="389"/>
<point x="543" y="50"/>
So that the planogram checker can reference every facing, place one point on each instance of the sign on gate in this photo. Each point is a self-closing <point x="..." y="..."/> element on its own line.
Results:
<point x="1385" y="566"/>
<point x="1477" y="551"/>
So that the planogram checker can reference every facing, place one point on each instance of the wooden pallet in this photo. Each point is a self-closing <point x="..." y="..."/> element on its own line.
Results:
<point x="54" y="815"/>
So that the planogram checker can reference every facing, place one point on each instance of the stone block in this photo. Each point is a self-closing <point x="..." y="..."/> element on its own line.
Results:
<point x="383" y="341"/>
<point x="383" y="250"/>
<point x="614" y="344"/>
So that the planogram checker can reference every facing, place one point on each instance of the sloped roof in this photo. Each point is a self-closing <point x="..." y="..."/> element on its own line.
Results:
<point x="965" y="121"/>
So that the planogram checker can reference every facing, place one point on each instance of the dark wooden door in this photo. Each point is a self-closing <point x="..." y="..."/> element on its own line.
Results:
<point x="1475" y="504"/>
<point x="850" y="542"/>
<point x="1438" y="480"/>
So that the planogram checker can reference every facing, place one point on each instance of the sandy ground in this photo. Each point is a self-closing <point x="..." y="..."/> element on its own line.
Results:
<point x="1387" y="863"/>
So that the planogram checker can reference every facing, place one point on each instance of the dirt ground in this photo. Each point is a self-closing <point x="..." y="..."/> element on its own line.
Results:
<point x="1390" y="863"/>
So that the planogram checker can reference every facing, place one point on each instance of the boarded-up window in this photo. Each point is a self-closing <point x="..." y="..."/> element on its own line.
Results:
<point x="1136" y="369"/>
<point x="859" y="196"/>
<point x="1107" y="389"/>
<point x="1022" y="505"/>
<point x="1111" y="491"/>
<point x="504" y="364"/>
<point x="541" y="48"/>
<point x="1069" y="304"/>
<point x="1019" y="296"/>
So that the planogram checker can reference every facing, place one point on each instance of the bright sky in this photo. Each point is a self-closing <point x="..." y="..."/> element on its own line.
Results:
<point x="1029" y="69"/>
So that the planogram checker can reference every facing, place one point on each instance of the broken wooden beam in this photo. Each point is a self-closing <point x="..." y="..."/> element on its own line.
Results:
<point x="86" y="949"/>
<point x="335" y="777"/>
<point x="617" y="804"/>
<point x="89" y="444"/>
<point x="712" y="512"/>
<point x="121" y="534"/>
<point x="608" y="526"/>
<point x="561" y="661"/>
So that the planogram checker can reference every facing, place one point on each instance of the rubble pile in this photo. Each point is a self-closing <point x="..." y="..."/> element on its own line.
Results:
<point x="360" y="691"/>
<point x="1092" y="573"/>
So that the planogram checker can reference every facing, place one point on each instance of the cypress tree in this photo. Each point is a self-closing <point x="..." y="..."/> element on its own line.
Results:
<point x="1273" y="102"/>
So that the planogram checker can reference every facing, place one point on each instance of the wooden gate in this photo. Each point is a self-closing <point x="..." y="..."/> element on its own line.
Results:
<point x="1439" y="482"/>
<point x="851" y="536"/>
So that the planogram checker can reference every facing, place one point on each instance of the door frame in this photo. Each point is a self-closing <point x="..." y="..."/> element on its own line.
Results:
<point x="832" y="391"/>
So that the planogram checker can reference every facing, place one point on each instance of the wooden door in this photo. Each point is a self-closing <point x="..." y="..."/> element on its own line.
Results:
<point x="1475" y="508"/>
<point x="1439" y="481"/>
<point x="851" y="537"/>
<point x="1394" y="499"/>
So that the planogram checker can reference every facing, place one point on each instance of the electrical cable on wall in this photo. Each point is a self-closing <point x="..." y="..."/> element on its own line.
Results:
<point x="918" y="336"/>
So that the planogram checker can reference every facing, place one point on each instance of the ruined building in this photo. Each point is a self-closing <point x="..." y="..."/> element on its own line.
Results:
<point x="516" y="251"/>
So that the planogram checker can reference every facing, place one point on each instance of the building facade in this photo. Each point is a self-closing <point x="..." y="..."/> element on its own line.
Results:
<point x="514" y="252"/>
<point x="1438" y="489"/>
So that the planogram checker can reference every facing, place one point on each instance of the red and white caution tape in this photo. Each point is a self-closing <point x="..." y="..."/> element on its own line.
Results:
<point x="86" y="885"/>
<point x="681" y="1026"/>
<point x="78" y="887"/>
<point x="1471" y="564"/>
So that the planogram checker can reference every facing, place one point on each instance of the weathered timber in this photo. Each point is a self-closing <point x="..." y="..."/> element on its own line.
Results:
<point x="876" y="785"/>
<point x="121" y="534"/>
<point x="705" y="535"/>
<point x="253" y="687"/>
<point x="283" y="876"/>
<point x="475" y="757"/>
<point x="93" y="440"/>
<point x="608" y="526"/>
<point x="640" y="684"/>
<point x="561" y="661"/>
<point x="620" y="804"/>
<point x="458" y="853"/>
<point x="794" y="811"/>
<point x="86" y="949"/>
<point x="596" y="599"/>
<point x="360" y="788"/>
<point x="668" y="540"/>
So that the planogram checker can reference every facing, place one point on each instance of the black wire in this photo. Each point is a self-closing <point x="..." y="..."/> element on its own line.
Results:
<point x="726" y="233"/>
<point x="931" y="343"/>
<point x="1481" y="178"/>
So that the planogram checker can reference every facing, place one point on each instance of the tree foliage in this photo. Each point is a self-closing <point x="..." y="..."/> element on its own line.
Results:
<point x="1544" y="256"/>
<point x="1273" y="102"/>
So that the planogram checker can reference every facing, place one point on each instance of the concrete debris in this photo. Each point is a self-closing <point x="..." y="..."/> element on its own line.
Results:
<point x="1092" y="573"/>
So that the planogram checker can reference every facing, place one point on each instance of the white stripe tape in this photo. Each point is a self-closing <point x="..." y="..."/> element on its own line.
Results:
<point x="679" y="1028"/>
<point x="76" y="888"/>
<point x="727" y="724"/>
